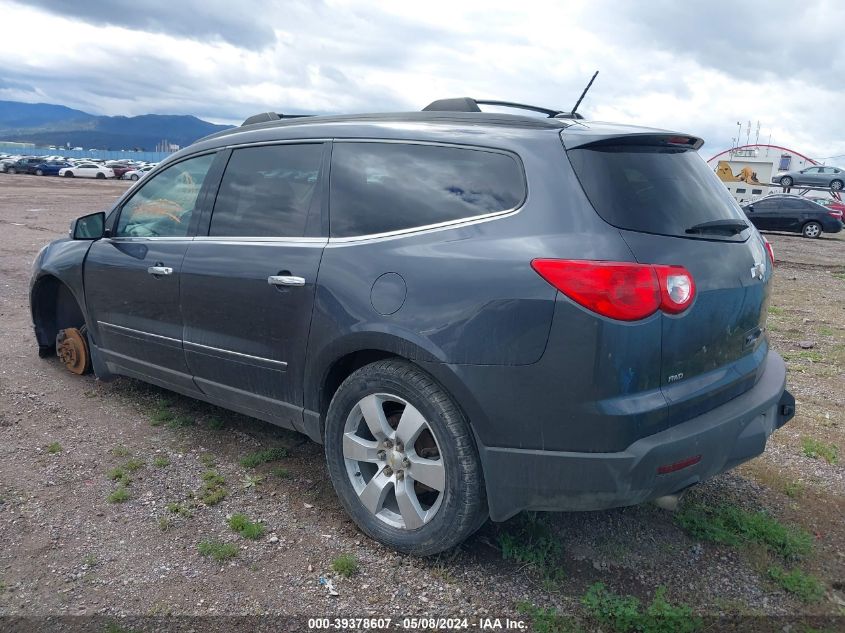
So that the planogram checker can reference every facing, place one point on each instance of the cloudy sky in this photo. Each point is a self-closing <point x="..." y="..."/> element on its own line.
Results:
<point x="695" y="66"/>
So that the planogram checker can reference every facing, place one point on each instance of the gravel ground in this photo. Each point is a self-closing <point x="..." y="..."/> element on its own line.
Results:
<point x="68" y="551"/>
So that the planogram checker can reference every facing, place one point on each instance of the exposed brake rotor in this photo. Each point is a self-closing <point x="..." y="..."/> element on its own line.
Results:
<point x="72" y="349"/>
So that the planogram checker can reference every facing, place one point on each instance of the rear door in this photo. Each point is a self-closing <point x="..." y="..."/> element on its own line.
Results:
<point x="665" y="201"/>
<point x="248" y="282"/>
<point x="763" y="214"/>
<point x="132" y="278"/>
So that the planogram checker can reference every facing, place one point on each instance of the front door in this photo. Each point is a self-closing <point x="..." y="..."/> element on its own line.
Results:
<point x="132" y="277"/>
<point x="248" y="285"/>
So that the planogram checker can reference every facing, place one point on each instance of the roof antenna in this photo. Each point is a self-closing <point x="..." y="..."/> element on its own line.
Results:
<point x="581" y="98"/>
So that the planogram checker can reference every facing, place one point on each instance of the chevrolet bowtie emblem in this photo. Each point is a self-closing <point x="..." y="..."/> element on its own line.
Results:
<point x="758" y="270"/>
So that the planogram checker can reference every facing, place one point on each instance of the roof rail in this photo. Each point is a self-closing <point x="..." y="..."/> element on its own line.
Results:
<point x="468" y="104"/>
<point x="264" y="117"/>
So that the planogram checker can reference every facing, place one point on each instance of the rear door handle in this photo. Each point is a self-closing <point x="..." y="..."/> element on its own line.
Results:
<point x="285" y="280"/>
<point x="160" y="270"/>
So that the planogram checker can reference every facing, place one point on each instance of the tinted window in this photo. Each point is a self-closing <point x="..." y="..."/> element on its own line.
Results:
<point x="164" y="204"/>
<point x="267" y="191"/>
<point x="652" y="189"/>
<point x="381" y="187"/>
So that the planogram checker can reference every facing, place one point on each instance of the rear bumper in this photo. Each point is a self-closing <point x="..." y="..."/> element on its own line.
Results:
<point x="520" y="479"/>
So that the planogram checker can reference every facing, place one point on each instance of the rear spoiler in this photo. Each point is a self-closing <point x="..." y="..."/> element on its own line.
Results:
<point x="575" y="137"/>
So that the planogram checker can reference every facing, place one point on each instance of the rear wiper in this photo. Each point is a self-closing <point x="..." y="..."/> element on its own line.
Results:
<point x="724" y="227"/>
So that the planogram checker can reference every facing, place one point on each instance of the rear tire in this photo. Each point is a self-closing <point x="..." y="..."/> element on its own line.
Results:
<point x="409" y="516"/>
<point x="100" y="176"/>
<point x="836" y="185"/>
<point x="812" y="230"/>
<point x="133" y="177"/>
<point x="68" y="174"/>
<point x="39" y="172"/>
<point x="786" y="181"/>
<point x="12" y="170"/>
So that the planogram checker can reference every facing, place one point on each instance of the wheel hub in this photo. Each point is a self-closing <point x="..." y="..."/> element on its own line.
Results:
<point x="72" y="350"/>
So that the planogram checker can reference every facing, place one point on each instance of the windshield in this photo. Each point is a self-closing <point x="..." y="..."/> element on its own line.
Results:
<point x="654" y="189"/>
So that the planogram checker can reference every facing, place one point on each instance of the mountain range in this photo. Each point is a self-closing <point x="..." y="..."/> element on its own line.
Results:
<point x="49" y="124"/>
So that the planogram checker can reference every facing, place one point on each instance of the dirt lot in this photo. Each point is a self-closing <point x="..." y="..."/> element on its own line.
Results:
<point x="67" y="443"/>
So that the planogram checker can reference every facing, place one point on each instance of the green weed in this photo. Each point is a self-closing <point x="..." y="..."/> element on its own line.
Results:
<point x="54" y="448"/>
<point x="218" y="550"/>
<point x="119" y="495"/>
<point x="805" y="587"/>
<point x="263" y="457"/>
<point x="819" y="450"/>
<point x="734" y="526"/>
<point x="346" y="565"/>
<point x="625" y="613"/>
<point x="161" y="462"/>
<point x="248" y="529"/>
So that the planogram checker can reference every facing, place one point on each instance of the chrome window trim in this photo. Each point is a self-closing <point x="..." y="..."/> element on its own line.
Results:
<point x="280" y="363"/>
<point x="300" y="241"/>
<point x="430" y="228"/>
<point x="140" y="238"/>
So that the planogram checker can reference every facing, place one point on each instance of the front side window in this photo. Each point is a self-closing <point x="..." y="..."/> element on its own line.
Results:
<point x="383" y="187"/>
<point x="164" y="205"/>
<point x="267" y="191"/>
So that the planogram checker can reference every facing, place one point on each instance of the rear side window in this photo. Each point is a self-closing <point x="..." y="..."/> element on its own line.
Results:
<point x="267" y="191"/>
<point x="652" y="189"/>
<point x="382" y="187"/>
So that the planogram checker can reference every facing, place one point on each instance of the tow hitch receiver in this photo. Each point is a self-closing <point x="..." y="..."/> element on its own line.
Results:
<point x="72" y="349"/>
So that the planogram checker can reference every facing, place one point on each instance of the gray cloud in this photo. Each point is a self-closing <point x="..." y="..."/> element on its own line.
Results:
<point x="239" y="23"/>
<point x="691" y="66"/>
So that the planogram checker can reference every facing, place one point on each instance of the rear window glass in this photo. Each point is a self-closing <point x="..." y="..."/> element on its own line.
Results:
<point x="382" y="187"/>
<point x="652" y="189"/>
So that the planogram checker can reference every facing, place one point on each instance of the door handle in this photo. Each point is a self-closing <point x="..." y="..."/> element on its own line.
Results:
<point x="285" y="280"/>
<point x="160" y="270"/>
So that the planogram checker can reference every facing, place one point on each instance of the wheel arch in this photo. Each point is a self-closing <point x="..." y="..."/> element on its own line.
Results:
<point x="342" y="358"/>
<point x="54" y="306"/>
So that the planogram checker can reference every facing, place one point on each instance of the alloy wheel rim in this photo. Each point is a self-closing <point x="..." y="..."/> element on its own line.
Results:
<point x="393" y="461"/>
<point x="812" y="230"/>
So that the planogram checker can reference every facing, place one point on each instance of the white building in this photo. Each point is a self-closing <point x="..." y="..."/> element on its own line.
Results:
<point x="747" y="171"/>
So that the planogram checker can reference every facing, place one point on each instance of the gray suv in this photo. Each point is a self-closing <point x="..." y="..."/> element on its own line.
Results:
<point x="475" y="313"/>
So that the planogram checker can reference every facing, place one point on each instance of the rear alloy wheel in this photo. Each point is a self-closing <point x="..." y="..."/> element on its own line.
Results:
<point x="68" y="174"/>
<point x="133" y="177"/>
<point x="402" y="459"/>
<point x="786" y="181"/>
<point x="100" y="175"/>
<point x="39" y="172"/>
<point x="812" y="229"/>
<point x="836" y="185"/>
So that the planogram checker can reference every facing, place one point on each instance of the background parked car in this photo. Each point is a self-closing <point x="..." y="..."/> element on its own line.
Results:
<point x="86" y="170"/>
<point x="830" y="203"/>
<point x="795" y="214"/>
<point x="24" y="165"/>
<point x="135" y="174"/>
<point x="119" y="168"/>
<point x="816" y="176"/>
<point x="51" y="167"/>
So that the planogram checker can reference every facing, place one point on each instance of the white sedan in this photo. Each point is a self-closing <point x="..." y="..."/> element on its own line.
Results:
<point x="86" y="170"/>
<point x="135" y="174"/>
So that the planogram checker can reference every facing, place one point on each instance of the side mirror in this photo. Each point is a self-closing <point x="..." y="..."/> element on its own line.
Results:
<point x="88" y="227"/>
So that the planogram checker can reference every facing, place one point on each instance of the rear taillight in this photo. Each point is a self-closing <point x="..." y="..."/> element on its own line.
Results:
<point x="620" y="290"/>
<point x="835" y="214"/>
<point x="769" y="250"/>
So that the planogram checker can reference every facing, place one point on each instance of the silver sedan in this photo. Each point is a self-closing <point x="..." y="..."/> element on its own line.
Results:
<point x="816" y="176"/>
